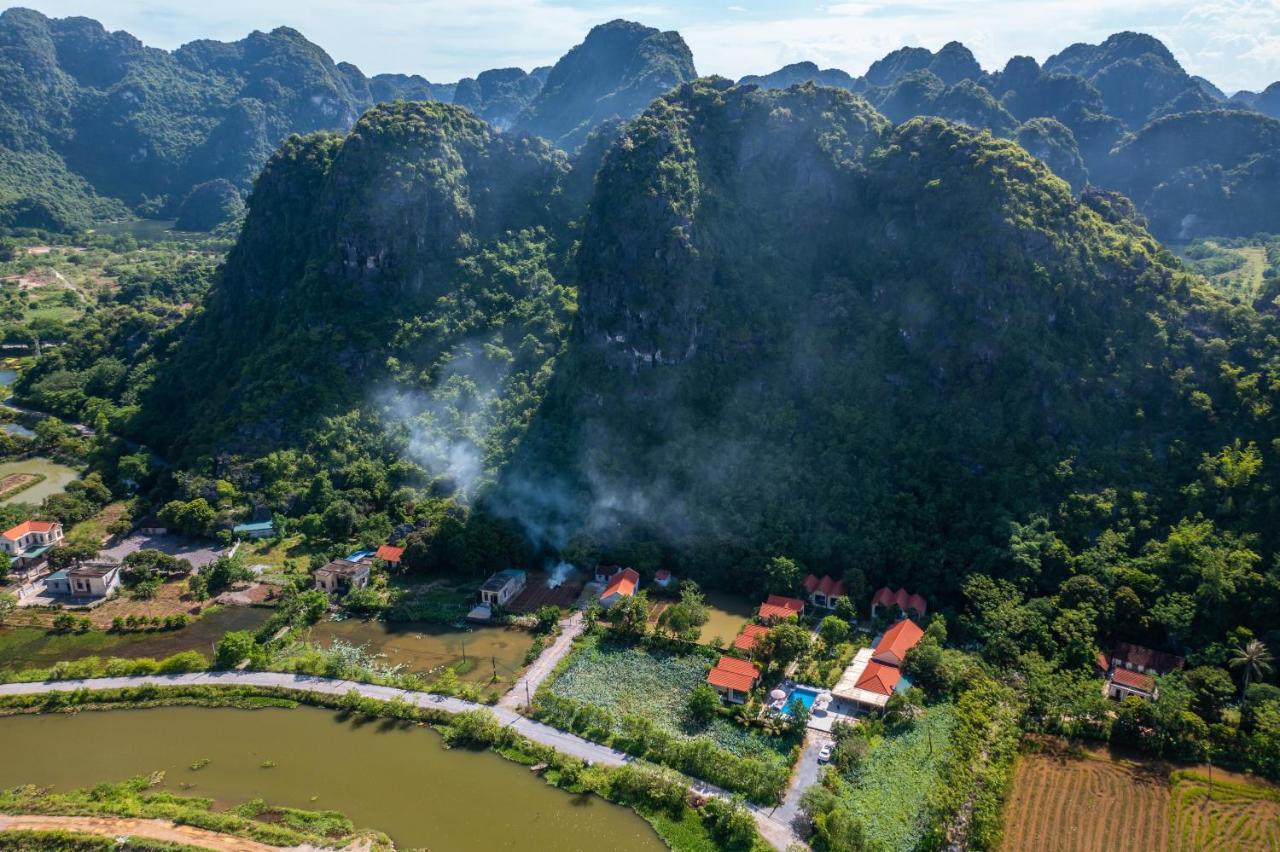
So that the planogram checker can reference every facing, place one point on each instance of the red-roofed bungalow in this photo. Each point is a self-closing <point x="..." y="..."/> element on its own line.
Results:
<point x="879" y="678"/>
<point x="896" y="642"/>
<point x="733" y="679"/>
<point x="777" y="607"/>
<point x="623" y="585"/>
<point x="910" y="604"/>
<point x="823" y="593"/>
<point x="390" y="555"/>
<point x="750" y="637"/>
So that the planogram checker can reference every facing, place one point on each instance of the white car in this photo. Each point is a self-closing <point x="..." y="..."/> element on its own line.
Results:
<point x="824" y="753"/>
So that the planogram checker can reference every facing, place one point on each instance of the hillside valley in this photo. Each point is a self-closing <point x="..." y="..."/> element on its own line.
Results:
<point x="802" y="460"/>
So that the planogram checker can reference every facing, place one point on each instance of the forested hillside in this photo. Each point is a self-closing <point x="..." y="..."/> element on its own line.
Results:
<point x="94" y="125"/>
<point x="1123" y="115"/>
<point x="922" y="354"/>
<point x="789" y="327"/>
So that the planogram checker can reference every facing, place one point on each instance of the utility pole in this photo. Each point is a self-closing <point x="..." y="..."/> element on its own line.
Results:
<point x="1209" y="757"/>
<point x="528" y="699"/>
<point x="493" y="661"/>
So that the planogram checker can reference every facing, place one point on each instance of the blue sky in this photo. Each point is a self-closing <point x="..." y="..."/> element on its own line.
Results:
<point x="1235" y="43"/>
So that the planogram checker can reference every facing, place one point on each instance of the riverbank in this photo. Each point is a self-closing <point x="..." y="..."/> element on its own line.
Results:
<point x="508" y="732"/>
<point x="43" y="829"/>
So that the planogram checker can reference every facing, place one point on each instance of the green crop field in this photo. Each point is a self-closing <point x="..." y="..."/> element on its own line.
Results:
<point x="892" y="785"/>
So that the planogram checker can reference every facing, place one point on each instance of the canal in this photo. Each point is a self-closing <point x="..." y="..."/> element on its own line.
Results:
<point x="395" y="777"/>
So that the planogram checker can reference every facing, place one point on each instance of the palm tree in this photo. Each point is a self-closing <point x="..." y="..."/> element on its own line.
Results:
<point x="1254" y="658"/>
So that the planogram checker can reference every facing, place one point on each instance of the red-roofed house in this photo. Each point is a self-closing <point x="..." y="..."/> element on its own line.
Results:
<point x="896" y="642"/>
<point x="779" y="607"/>
<point x="1122" y="683"/>
<point x="910" y="604"/>
<point x="823" y="593"/>
<point x="623" y="585"/>
<point x="879" y="678"/>
<point x="390" y="555"/>
<point x="750" y="637"/>
<point x="733" y="679"/>
<point x="26" y="543"/>
<point x="1133" y="670"/>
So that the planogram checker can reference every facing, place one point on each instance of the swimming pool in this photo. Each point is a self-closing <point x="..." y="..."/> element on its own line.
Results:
<point x="803" y="694"/>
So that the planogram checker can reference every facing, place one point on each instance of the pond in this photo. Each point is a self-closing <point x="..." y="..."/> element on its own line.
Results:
<point x="422" y="647"/>
<point x="729" y="612"/>
<point x="383" y="775"/>
<point x="7" y="376"/>
<point x="37" y="648"/>
<point x="17" y="429"/>
<point x="56" y="478"/>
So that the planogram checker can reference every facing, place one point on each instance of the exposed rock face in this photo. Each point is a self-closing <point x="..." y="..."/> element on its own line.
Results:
<point x="802" y="72"/>
<point x="84" y="106"/>
<point x="776" y="286"/>
<point x="617" y="70"/>
<point x="346" y="236"/>
<point x="498" y="95"/>
<point x="1055" y="145"/>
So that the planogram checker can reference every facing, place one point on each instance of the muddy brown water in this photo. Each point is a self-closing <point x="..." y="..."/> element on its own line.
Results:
<point x="727" y="614"/>
<point x="394" y="777"/>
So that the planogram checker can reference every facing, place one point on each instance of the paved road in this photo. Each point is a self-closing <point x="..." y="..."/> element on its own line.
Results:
<point x="773" y="829"/>
<point x="527" y="684"/>
<point x="805" y="774"/>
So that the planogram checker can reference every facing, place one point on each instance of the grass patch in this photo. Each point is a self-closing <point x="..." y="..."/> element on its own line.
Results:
<point x="70" y="841"/>
<point x="1226" y="815"/>
<point x="437" y="602"/>
<point x="892" y="785"/>
<point x="630" y="681"/>
<point x="136" y="798"/>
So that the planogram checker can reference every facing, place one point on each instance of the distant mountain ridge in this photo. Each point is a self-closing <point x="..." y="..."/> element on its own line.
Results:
<point x="1110" y="114"/>
<point x="95" y="124"/>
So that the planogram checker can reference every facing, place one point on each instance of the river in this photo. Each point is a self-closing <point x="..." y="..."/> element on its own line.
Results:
<point x="56" y="478"/>
<point x="390" y="776"/>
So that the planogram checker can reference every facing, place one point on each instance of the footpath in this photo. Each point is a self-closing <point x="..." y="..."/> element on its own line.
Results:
<point x="772" y="828"/>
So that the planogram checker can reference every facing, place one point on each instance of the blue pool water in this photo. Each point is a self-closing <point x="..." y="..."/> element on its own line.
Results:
<point x="802" y="694"/>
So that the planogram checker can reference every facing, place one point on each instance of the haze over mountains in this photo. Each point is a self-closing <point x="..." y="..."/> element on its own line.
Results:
<point x="94" y="124"/>
<point x="748" y="321"/>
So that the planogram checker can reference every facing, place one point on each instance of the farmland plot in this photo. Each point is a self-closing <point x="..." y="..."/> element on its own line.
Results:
<point x="1234" y="817"/>
<point x="1063" y="803"/>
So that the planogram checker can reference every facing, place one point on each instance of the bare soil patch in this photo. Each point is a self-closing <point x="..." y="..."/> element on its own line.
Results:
<point x="1082" y="802"/>
<point x="536" y="595"/>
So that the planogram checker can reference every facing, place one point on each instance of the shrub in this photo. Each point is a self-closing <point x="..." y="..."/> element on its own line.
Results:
<point x="232" y="649"/>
